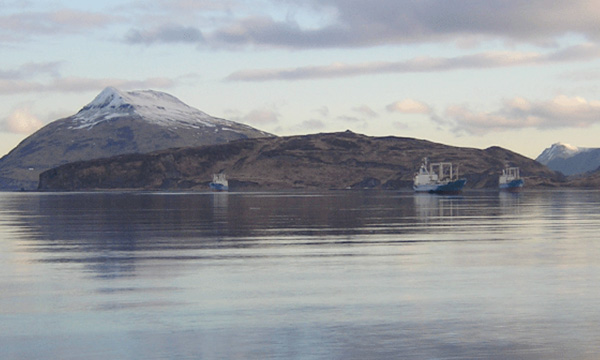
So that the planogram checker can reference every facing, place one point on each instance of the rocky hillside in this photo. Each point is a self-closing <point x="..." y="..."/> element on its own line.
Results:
<point x="116" y="122"/>
<point x="587" y="180"/>
<point x="323" y="161"/>
<point x="569" y="159"/>
<point x="580" y="163"/>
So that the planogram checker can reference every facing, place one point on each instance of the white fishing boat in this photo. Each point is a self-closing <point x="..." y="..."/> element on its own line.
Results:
<point x="438" y="178"/>
<point x="511" y="180"/>
<point x="219" y="182"/>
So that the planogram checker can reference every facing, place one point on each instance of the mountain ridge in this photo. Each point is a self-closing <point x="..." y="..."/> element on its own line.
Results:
<point x="318" y="161"/>
<point x="558" y="150"/>
<point x="570" y="160"/>
<point x="153" y="106"/>
<point x="116" y="122"/>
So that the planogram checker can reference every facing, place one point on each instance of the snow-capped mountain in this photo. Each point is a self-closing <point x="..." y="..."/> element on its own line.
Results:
<point x="116" y="122"/>
<point x="153" y="106"/>
<point x="569" y="159"/>
<point x="558" y="150"/>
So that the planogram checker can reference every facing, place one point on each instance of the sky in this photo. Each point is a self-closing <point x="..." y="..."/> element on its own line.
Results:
<point x="520" y="74"/>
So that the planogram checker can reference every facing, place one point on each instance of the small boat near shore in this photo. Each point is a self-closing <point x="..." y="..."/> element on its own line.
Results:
<point x="511" y="180"/>
<point x="219" y="182"/>
<point x="439" y="178"/>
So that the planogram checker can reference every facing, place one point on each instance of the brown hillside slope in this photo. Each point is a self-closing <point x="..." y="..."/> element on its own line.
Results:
<point x="324" y="161"/>
<point x="587" y="180"/>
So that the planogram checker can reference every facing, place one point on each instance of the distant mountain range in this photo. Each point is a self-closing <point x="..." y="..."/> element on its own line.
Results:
<point x="116" y="122"/>
<point x="320" y="161"/>
<point x="570" y="160"/>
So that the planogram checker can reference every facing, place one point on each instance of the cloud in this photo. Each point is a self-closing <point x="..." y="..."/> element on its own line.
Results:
<point x="366" y="111"/>
<point x="519" y="113"/>
<point x="316" y="24"/>
<point x="353" y="122"/>
<point x="323" y="111"/>
<point x="195" y="5"/>
<point x="21" y="121"/>
<point x="409" y="106"/>
<point x="485" y="60"/>
<point x="264" y="31"/>
<point x="312" y="125"/>
<point x="307" y="126"/>
<point x="358" y="23"/>
<point x="399" y="125"/>
<point x="77" y="84"/>
<point x="19" y="26"/>
<point x="166" y="34"/>
<point x="31" y="69"/>
<point x="350" y="119"/>
<point x="261" y="117"/>
<point x="48" y="79"/>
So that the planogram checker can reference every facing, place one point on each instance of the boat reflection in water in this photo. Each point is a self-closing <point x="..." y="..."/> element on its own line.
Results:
<point x="432" y="205"/>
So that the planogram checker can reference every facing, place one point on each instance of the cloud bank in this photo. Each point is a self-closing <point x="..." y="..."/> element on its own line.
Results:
<point x="23" y="25"/>
<point x="313" y="24"/>
<point x="486" y="60"/>
<point x="48" y="78"/>
<point x="358" y="23"/>
<point x="166" y="34"/>
<point x="520" y="113"/>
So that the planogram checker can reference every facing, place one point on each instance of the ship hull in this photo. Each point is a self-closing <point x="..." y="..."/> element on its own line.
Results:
<point x="218" y="187"/>
<point x="514" y="185"/>
<point x="452" y="187"/>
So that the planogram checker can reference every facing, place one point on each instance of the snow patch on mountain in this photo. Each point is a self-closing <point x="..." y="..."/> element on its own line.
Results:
<point x="559" y="150"/>
<point x="153" y="106"/>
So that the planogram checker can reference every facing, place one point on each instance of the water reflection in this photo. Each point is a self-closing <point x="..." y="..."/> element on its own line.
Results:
<point x="219" y="203"/>
<point x="108" y="232"/>
<point x="433" y="205"/>
<point x="111" y="233"/>
<point x="331" y="275"/>
<point x="510" y="202"/>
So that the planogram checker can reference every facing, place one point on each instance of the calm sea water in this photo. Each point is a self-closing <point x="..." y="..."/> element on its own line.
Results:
<point x="332" y="275"/>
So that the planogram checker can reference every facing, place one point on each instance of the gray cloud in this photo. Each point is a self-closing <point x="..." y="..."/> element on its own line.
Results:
<point x="264" y="31"/>
<point x="312" y="125"/>
<point x="519" y="113"/>
<point x="370" y="23"/>
<point x="166" y="34"/>
<point x="366" y="111"/>
<point x="306" y="126"/>
<point x="11" y="87"/>
<point x="19" y="26"/>
<point x="421" y="64"/>
<point x="348" y="23"/>
<point x="323" y="111"/>
<point x="74" y="84"/>
<point x="31" y="69"/>
<point x="194" y="5"/>
<point x="261" y="117"/>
